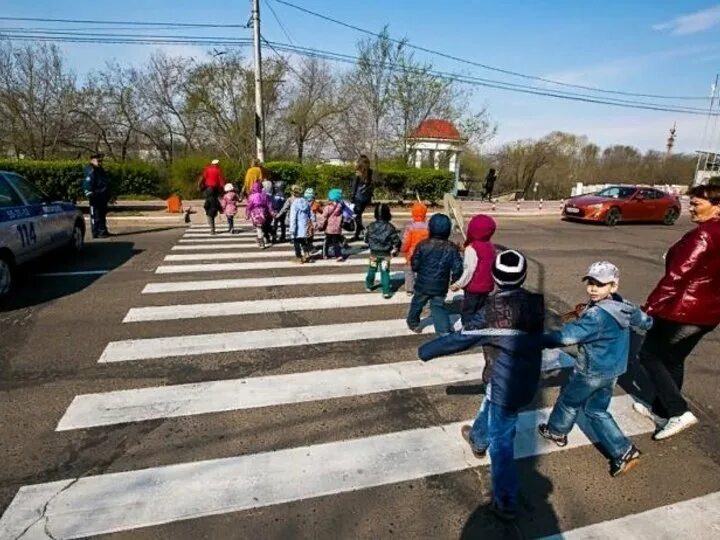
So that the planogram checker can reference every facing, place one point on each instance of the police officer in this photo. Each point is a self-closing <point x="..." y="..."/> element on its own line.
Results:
<point x="96" y="186"/>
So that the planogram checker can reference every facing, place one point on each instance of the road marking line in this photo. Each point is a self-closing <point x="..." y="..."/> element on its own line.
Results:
<point x="246" y="255"/>
<point x="243" y="283"/>
<point x="239" y="246"/>
<point x="142" y="404"/>
<point x="175" y="346"/>
<point x="695" y="518"/>
<point x="260" y="265"/>
<point x="272" y="305"/>
<point x="122" y="501"/>
<point x="238" y="241"/>
<point x="75" y="273"/>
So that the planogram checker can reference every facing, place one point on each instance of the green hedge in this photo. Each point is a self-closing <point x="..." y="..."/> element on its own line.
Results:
<point x="63" y="179"/>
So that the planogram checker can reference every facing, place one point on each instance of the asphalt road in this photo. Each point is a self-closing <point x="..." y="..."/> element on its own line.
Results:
<point x="54" y="330"/>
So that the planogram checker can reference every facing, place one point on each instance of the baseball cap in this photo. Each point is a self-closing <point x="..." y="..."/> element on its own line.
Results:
<point x="215" y="162"/>
<point x="603" y="272"/>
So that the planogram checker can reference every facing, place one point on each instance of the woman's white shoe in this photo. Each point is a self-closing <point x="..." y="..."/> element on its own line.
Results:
<point x="675" y="425"/>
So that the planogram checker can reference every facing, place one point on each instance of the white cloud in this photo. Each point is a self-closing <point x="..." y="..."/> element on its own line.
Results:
<point x="691" y="23"/>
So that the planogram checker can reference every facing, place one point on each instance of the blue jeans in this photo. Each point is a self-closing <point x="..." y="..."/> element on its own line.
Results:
<point x="440" y="315"/>
<point x="592" y="395"/>
<point x="494" y="429"/>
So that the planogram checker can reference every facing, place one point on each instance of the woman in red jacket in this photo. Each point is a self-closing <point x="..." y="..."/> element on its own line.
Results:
<point x="685" y="306"/>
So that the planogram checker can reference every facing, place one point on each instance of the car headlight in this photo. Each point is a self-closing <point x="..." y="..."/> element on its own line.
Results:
<point x="595" y="206"/>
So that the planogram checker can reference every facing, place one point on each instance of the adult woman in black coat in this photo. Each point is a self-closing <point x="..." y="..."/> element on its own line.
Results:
<point x="361" y="191"/>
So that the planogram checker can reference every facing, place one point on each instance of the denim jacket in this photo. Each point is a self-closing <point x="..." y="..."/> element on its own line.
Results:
<point x="602" y="334"/>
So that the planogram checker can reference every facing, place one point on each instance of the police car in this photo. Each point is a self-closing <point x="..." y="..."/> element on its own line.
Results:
<point x="32" y="225"/>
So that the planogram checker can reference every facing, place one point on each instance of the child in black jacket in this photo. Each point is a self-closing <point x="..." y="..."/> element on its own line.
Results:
<point x="384" y="242"/>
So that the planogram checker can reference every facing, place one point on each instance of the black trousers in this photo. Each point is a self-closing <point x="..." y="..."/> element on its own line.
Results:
<point x="333" y="245"/>
<point x="663" y="355"/>
<point x="98" y="216"/>
<point x="301" y="247"/>
<point x="471" y="304"/>
<point x="279" y="222"/>
<point x="360" y="206"/>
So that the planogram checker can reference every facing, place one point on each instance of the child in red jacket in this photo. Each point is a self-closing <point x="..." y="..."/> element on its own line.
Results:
<point x="478" y="259"/>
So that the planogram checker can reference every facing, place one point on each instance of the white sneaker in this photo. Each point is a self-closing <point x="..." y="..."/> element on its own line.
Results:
<point x="675" y="425"/>
<point x="644" y="410"/>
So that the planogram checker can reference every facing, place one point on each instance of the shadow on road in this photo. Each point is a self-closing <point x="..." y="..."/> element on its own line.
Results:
<point x="33" y="288"/>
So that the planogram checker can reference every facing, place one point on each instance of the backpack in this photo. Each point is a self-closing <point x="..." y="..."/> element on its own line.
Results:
<point x="258" y="216"/>
<point x="277" y="202"/>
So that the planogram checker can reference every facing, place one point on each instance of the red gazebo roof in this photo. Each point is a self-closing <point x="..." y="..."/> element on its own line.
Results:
<point x="434" y="128"/>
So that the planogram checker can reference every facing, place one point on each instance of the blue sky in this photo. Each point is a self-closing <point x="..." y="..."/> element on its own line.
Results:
<point x="646" y="46"/>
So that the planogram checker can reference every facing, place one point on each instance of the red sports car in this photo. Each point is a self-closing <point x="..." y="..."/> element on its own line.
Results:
<point x="624" y="203"/>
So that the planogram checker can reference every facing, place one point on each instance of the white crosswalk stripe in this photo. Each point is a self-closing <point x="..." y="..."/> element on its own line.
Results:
<point x="245" y="255"/>
<point x="114" y="502"/>
<point x="223" y="342"/>
<point x="249" y="246"/>
<point x="229" y="240"/>
<point x="269" y="265"/>
<point x="243" y="283"/>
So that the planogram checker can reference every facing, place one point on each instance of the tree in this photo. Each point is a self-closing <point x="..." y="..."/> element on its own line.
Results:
<point x="520" y="161"/>
<point x="37" y="95"/>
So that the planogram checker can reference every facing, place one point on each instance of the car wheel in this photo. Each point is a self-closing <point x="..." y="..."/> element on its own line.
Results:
<point x="612" y="217"/>
<point x="6" y="274"/>
<point x="77" y="240"/>
<point x="671" y="216"/>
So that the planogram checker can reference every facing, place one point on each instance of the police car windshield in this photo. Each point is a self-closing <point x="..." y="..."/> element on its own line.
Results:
<point x="29" y="192"/>
<point x="617" y="192"/>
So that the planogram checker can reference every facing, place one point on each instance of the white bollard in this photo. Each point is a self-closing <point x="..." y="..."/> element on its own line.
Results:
<point x="517" y="206"/>
<point x="493" y="206"/>
<point x="540" y="205"/>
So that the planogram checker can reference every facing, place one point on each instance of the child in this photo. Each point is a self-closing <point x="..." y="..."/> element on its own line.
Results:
<point x="415" y="232"/>
<point x="476" y="280"/>
<point x="384" y="241"/>
<point x="509" y="327"/>
<point x="277" y="204"/>
<point x="435" y="262"/>
<point x="295" y="192"/>
<point x="315" y="208"/>
<point x="602" y="333"/>
<point x="300" y="225"/>
<point x="229" y="204"/>
<point x="259" y="212"/>
<point x="331" y="222"/>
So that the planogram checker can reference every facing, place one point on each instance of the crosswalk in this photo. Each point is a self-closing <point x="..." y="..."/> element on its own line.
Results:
<point x="356" y="321"/>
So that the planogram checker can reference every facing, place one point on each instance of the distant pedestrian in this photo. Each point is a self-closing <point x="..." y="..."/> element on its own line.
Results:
<point x="686" y="306"/>
<point x="284" y="213"/>
<point x="436" y="262"/>
<point x="490" y="180"/>
<point x="361" y="192"/>
<point x="602" y="335"/>
<point x="478" y="260"/>
<point x="258" y="210"/>
<point x="300" y="225"/>
<point x="384" y="242"/>
<point x="96" y="186"/>
<point x="212" y="183"/>
<point x="278" y="204"/>
<point x="330" y="221"/>
<point x="229" y="205"/>
<point x="415" y="232"/>
<point x="255" y="173"/>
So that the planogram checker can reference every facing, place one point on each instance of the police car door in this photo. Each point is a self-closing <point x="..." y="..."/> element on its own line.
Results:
<point x="37" y="228"/>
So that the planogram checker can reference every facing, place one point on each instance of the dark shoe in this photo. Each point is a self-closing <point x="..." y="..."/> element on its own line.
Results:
<point x="504" y="514"/>
<point x="477" y="452"/>
<point x="560" y="440"/>
<point x="104" y="234"/>
<point x="416" y="329"/>
<point x="625" y="462"/>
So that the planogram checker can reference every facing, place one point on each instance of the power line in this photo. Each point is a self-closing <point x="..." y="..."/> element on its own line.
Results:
<point x="282" y="26"/>
<point x="348" y="59"/>
<point x="134" y="23"/>
<point x="486" y="66"/>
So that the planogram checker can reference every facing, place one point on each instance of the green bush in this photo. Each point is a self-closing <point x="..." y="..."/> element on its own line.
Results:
<point x="291" y="173"/>
<point x="63" y="179"/>
<point x="403" y="183"/>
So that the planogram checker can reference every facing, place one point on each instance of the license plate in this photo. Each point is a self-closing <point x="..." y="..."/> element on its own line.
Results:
<point x="571" y="210"/>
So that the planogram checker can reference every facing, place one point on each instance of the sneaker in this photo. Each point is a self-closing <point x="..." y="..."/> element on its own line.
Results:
<point x="298" y="260"/>
<point x="368" y="289"/>
<point x="340" y="259"/>
<point x="387" y="296"/>
<point x="644" y="410"/>
<point x="546" y="433"/>
<point x="675" y="425"/>
<point x="625" y="462"/>
<point x="416" y="329"/>
<point x="477" y="452"/>
<point x="409" y="293"/>
<point x="502" y="513"/>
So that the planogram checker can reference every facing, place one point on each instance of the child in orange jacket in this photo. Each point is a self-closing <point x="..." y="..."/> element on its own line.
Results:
<point x="414" y="233"/>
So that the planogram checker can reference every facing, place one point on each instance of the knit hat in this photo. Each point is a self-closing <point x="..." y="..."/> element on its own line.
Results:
<point x="296" y="190"/>
<point x="229" y="187"/>
<point x="309" y="193"/>
<point x="335" y="195"/>
<point x="440" y="226"/>
<point x="509" y="269"/>
<point x="279" y="187"/>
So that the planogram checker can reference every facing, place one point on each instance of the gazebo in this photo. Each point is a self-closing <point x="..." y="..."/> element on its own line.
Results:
<point x="436" y="142"/>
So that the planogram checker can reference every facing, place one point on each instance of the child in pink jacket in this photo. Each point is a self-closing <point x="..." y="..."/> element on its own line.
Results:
<point x="331" y="223"/>
<point x="259" y="211"/>
<point x="229" y="204"/>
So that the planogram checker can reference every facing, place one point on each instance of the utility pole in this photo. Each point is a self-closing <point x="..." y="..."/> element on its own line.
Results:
<point x="259" y="116"/>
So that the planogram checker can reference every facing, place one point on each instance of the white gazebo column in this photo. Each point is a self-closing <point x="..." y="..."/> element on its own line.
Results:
<point x="436" y="159"/>
<point x="453" y="160"/>
<point x="418" y="158"/>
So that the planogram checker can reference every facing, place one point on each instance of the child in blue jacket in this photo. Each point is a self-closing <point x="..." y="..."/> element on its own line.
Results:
<point x="602" y="334"/>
